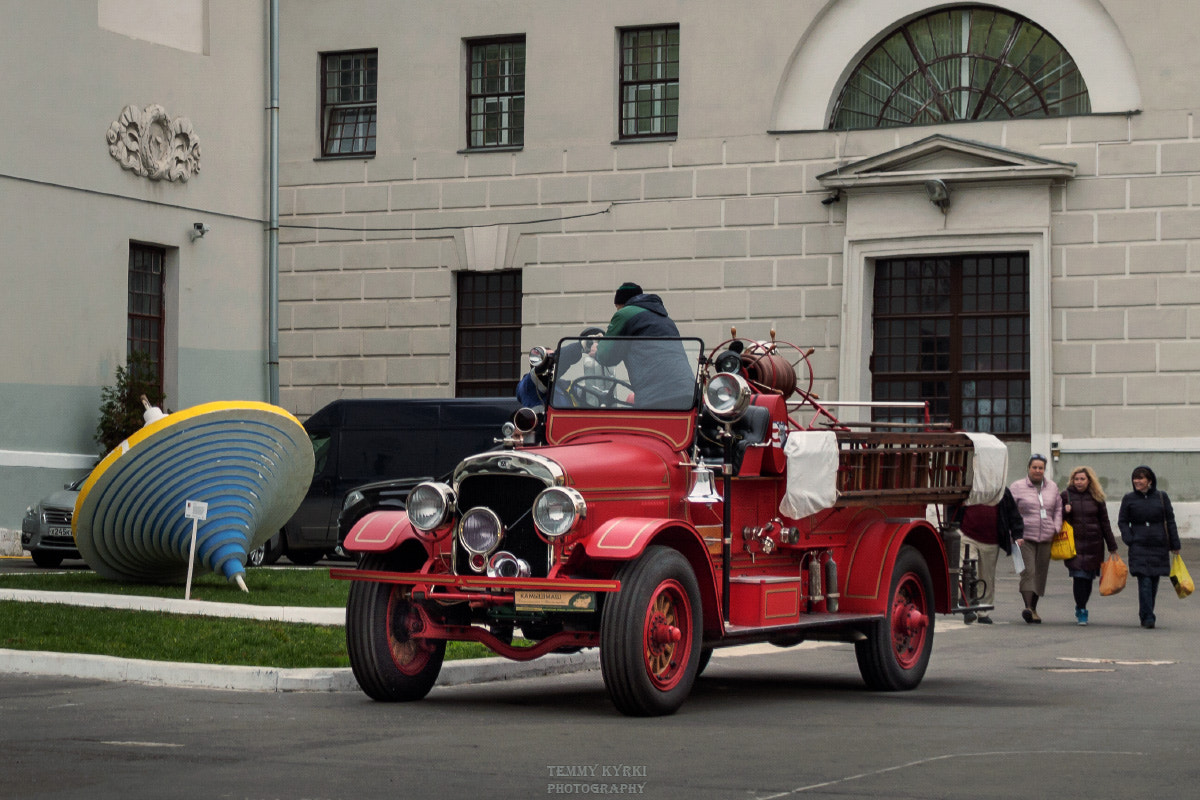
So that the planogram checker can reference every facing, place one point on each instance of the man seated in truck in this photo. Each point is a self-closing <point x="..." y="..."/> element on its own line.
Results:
<point x="659" y="371"/>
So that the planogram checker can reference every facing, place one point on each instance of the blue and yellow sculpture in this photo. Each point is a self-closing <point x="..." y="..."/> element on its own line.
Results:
<point x="250" y="462"/>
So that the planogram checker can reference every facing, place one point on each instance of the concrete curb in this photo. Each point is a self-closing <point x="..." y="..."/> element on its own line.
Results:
<point x="315" y="616"/>
<point x="270" y="679"/>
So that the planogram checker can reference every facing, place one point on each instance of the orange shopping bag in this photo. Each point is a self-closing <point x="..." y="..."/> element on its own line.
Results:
<point x="1113" y="573"/>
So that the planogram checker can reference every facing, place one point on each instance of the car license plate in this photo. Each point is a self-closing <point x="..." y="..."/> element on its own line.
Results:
<point x="527" y="600"/>
<point x="59" y="532"/>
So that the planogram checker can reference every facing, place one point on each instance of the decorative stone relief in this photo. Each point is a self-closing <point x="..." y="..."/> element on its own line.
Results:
<point x="153" y="145"/>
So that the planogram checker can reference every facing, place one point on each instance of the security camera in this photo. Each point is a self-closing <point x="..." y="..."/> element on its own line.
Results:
<point x="198" y="230"/>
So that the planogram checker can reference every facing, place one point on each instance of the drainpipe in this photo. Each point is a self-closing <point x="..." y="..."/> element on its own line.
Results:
<point x="273" y="216"/>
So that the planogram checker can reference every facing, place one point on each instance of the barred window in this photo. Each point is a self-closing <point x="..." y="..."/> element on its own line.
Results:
<point x="145" y="323"/>
<point x="965" y="63"/>
<point x="649" y="82"/>
<point x="488" y="350"/>
<point x="496" y="93"/>
<point x="349" y="91"/>
<point x="954" y="331"/>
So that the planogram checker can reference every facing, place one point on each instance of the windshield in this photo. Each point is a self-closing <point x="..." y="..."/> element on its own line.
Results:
<point x="627" y="372"/>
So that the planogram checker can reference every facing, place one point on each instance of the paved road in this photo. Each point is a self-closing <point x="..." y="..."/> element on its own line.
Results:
<point x="1010" y="710"/>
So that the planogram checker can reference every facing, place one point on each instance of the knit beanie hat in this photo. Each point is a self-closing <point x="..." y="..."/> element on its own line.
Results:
<point x="627" y="292"/>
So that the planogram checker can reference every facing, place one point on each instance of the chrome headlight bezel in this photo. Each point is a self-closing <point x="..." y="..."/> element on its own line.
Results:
<point x="352" y="497"/>
<point x="727" y="396"/>
<point x="557" y="510"/>
<point x="480" y="531"/>
<point x="429" y="505"/>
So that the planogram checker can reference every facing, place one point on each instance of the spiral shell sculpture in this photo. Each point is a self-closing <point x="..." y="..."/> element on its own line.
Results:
<point x="250" y="462"/>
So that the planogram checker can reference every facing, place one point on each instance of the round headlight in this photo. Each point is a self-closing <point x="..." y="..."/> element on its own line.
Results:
<point x="537" y="356"/>
<point x="429" y="505"/>
<point x="480" y="531"/>
<point x="557" y="510"/>
<point x="727" y="396"/>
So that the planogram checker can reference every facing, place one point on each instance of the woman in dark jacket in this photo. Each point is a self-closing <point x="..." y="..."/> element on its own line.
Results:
<point x="1147" y="524"/>
<point x="1084" y="508"/>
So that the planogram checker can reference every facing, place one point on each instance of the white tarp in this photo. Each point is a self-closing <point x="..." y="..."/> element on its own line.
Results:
<point x="812" y="464"/>
<point x="989" y="471"/>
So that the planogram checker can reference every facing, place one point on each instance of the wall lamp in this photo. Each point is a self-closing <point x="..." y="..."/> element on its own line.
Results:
<point x="939" y="193"/>
<point x="198" y="230"/>
<point x="832" y="198"/>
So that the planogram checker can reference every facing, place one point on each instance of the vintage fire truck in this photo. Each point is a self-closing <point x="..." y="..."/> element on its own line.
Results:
<point x="666" y="501"/>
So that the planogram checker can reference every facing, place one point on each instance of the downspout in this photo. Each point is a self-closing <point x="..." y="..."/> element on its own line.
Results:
<point x="273" y="215"/>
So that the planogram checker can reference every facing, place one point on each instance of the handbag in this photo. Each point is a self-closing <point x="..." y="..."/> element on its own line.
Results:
<point x="1180" y="578"/>
<point x="1063" y="546"/>
<point x="1113" y="573"/>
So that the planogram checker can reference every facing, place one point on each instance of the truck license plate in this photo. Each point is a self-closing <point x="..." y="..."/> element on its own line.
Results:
<point x="526" y="600"/>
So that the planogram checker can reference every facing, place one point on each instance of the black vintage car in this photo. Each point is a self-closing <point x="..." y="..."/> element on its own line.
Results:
<point x="359" y="442"/>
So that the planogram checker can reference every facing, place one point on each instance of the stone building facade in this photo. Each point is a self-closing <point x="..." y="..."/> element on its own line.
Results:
<point x="130" y="122"/>
<point x="741" y="195"/>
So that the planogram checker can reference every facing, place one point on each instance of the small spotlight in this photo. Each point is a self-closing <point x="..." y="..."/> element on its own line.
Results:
<point x="939" y="194"/>
<point x="833" y="198"/>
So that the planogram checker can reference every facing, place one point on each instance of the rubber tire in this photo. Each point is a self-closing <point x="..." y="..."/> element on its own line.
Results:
<point x="306" y="558"/>
<point x="880" y="658"/>
<point x="46" y="559"/>
<point x="705" y="657"/>
<point x="660" y="573"/>
<point x="376" y="653"/>
<point x="266" y="553"/>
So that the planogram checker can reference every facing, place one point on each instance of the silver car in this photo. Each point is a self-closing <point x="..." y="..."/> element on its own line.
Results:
<point x="46" y="529"/>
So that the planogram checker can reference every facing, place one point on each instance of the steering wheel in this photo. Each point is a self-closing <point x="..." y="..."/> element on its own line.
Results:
<point x="598" y="391"/>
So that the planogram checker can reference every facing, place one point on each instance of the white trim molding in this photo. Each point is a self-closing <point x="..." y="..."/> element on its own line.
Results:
<point x="32" y="458"/>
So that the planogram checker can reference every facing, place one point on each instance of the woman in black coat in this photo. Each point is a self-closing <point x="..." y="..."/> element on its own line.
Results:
<point x="1084" y="508"/>
<point x="1147" y="524"/>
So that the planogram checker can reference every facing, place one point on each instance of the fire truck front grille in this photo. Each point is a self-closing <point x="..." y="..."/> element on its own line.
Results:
<point x="511" y="498"/>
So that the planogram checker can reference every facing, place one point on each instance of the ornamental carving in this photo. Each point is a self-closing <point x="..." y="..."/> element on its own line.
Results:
<point x="153" y="145"/>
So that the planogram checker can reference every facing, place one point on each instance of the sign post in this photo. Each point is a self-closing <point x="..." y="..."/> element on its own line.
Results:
<point x="195" y="511"/>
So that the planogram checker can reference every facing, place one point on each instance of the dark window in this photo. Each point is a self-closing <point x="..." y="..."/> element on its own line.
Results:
<point x="967" y="63"/>
<point x="349" y="87"/>
<point x="650" y="82"/>
<point x="145" y="323"/>
<point x="488" y="354"/>
<point x="954" y="331"/>
<point x="496" y="93"/>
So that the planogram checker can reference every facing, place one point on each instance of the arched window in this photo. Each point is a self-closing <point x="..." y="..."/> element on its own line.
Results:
<point x="966" y="63"/>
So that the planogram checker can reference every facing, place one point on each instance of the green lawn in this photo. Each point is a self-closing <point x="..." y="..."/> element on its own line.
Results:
<point x="175" y="637"/>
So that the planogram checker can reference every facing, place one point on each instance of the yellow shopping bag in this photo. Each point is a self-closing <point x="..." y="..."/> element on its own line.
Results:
<point x="1180" y="578"/>
<point x="1063" y="546"/>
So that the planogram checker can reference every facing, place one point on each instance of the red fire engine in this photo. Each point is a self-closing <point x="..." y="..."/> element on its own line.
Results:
<point x="667" y="501"/>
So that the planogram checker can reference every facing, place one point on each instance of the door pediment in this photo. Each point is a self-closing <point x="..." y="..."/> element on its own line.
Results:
<point x="945" y="158"/>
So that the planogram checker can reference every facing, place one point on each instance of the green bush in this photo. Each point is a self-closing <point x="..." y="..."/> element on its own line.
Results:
<point x="121" y="404"/>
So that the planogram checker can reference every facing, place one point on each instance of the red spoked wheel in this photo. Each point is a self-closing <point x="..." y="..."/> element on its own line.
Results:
<point x="650" y="634"/>
<point x="667" y="634"/>
<point x="389" y="662"/>
<point x="896" y="652"/>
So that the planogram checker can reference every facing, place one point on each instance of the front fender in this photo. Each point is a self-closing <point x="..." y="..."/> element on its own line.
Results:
<point x="380" y="532"/>
<point x="626" y="538"/>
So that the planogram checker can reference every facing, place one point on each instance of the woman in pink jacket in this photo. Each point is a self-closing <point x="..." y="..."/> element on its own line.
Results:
<point x="1041" y="510"/>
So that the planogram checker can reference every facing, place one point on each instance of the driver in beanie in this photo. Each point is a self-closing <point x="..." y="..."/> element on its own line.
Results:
<point x="639" y="314"/>
<point x="662" y="376"/>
